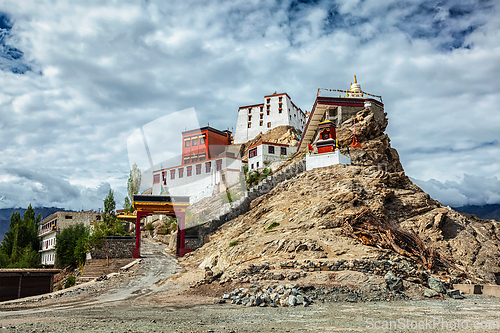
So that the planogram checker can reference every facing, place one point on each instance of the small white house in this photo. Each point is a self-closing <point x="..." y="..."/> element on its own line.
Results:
<point x="314" y="161"/>
<point x="264" y="154"/>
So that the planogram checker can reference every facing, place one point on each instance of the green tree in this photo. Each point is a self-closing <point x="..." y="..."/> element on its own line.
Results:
<point x="71" y="245"/>
<point x="134" y="182"/>
<point x="20" y="245"/>
<point x="127" y="205"/>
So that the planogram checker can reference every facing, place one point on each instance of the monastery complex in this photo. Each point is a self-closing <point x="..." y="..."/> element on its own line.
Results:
<point x="211" y="160"/>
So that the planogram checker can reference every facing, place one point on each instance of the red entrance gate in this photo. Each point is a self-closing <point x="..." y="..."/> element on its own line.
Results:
<point x="161" y="204"/>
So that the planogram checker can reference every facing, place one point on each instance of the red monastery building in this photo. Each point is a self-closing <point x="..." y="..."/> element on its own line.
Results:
<point x="208" y="163"/>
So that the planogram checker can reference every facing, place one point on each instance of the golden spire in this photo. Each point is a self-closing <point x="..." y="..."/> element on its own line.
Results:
<point x="355" y="89"/>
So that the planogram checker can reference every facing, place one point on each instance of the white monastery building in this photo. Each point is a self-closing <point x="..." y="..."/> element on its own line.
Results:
<point x="277" y="110"/>
<point x="263" y="154"/>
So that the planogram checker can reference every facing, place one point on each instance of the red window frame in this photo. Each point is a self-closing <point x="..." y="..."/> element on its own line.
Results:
<point x="156" y="178"/>
<point x="198" y="169"/>
<point x="252" y="152"/>
<point x="189" y="171"/>
<point x="218" y="165"/>
<point x="181" y="172"/>
<point x="172" y="174"/>
<point x="208" y="167"/>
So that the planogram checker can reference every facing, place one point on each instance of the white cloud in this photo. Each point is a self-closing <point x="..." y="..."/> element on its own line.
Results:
<point x="470" y="190"/>
<point x="110" y="67"/>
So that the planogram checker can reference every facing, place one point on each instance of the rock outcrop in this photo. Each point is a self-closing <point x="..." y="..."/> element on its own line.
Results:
<point x="301" y="218"/>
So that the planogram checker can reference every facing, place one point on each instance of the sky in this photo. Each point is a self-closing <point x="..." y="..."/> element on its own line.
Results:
<point x="79" y="79"/>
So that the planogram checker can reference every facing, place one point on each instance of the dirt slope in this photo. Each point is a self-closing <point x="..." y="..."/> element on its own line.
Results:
<point x="311" y="209"/>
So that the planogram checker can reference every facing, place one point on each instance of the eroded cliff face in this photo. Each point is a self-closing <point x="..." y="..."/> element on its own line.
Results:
<point x="302" y="218"/>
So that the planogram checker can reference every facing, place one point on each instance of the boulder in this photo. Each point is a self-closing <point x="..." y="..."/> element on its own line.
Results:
<point x="436" y="284"/>
<point x="394" y="283"/>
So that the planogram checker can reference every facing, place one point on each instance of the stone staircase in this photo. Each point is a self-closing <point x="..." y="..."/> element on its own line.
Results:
<point x="95" y="268"/>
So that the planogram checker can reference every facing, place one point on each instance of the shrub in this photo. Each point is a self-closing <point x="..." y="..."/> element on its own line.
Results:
<point x="234" y="243"/>
<point x="70" y="282"/>
<point x="71" y="245"/>
<point x="149" y="226"/>
<point x="273" y="225"/>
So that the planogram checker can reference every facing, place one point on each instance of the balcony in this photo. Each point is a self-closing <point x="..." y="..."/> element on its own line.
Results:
<point x="47" y="230"/>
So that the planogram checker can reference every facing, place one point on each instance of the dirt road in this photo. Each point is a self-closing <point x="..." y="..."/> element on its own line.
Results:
<point x="146" y="302"/>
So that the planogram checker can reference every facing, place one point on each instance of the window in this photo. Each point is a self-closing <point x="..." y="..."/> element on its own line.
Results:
<point x="189" y="171"/>
<point x="290" y="117"/>
<point x="268" y="106"/>
<point x="187" y="143"/>
<point x="252" y="153"/>
<point x="68" y="217"/>
<point x="208" y="167"/>
<point x="270" y="149"/>
<point x="198" y="169"/>
<point x="194" y="159"/>
<point x="249" y="125"/>
<point x="202" y="140"/>
<point x="257" y="164"/>
<point x="156" y="178"/>
<point x="261" y="116"/>
<point x="260" y="123"/>
<point x="261" y="108"/>
<point x="249" y="118"/>
<point x="268" y="100"/>
<point x="219" y="165"/>
<point x="181" y="172"/>
<point x="283" y="151"/>
<point x="164" y="176"/>
<point x="280" y="105"/>
<point x="250" y="110"/>
<point x="280" y="98"/>
<point x="252" y="166"/>
<point x="268" y="112"/>
<point x="202" y="157"/>
<point x="186" y="159"/>
<point x="223" y="178"/>
<point x="194" y="142"/>
<point x="172" y="174"/>
<point x="268" y="124"/>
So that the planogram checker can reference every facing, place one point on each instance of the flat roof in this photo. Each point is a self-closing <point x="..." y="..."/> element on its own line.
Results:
<point x="206" y="128"/>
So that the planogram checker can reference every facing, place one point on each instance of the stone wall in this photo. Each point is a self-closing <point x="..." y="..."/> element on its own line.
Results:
<point x="118" y="247"/>
<point x="243" y="205"/>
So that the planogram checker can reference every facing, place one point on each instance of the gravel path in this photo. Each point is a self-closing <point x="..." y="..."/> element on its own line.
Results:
<point x="129" y="303"/>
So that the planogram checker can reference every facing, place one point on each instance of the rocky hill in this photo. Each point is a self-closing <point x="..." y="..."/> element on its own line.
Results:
<point x="364" y="214"/>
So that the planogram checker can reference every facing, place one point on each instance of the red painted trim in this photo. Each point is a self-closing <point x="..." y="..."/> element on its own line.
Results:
<point x="268" y="143"/>
<point x="250" y="106"/>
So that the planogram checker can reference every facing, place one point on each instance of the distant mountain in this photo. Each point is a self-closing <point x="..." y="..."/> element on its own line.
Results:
<point x="485" y="212"/>
<point x="5" y="214"/>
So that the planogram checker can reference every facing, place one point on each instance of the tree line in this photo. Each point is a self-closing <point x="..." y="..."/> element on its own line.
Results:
<point x="21" y="244"/>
